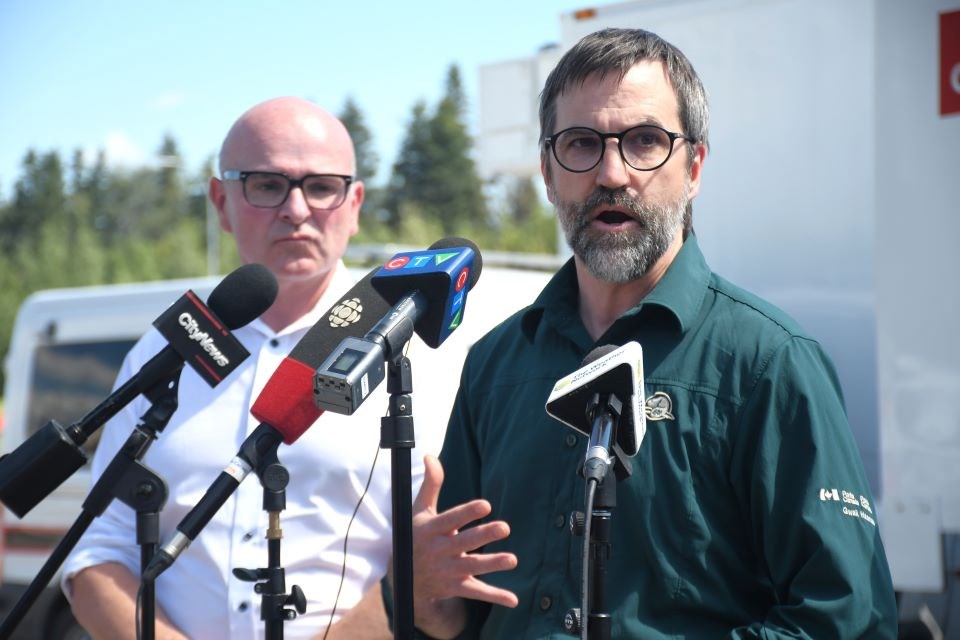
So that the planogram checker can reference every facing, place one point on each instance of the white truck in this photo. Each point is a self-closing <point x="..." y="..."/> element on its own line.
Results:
<point x="831" y="189"/>
<point x="66" y="349"/>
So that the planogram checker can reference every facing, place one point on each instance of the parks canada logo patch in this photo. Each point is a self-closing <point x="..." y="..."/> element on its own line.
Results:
<point x="659" y="406"/>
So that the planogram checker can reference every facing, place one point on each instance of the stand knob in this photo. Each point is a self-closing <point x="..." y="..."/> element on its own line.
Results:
<point x="298" y="600"/>
<point x="578" y="522"/>
<point x="572" y="621"/>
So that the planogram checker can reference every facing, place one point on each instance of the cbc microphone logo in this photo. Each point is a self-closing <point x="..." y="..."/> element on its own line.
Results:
<point x="346" y="313"/>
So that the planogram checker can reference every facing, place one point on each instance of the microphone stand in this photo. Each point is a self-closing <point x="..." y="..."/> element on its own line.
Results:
<point x="397" y="434"/>
<point x="129" y="481"/>
<point x="598" y="625"/>
<point x="271" y="581"/>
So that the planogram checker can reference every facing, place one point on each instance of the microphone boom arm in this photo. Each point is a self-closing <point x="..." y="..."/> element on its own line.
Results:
<point x="263" y="441"/>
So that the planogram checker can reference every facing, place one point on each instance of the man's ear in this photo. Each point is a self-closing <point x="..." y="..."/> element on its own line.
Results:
<point x="218" y="197"/>
<point x="545" y="172"/>
<point x="355" y="200"/>
<point x="696" y="168"/>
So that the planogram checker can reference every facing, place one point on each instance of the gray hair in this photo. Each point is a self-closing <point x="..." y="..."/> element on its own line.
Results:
<point x="617" y="51"/>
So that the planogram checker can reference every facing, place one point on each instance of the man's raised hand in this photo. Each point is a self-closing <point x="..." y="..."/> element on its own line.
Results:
<point x="444" y="563"/>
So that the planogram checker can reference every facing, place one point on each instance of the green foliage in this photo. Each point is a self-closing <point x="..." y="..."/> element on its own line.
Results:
<point x="94" y="226"/>
<point x="367" y="159"/>
<point x="434" y="172"/>
<point x="523" y="201"/>
<point x="530" y="229"/>
<point x="10" y="299"/>
<point x="410" y="170"/>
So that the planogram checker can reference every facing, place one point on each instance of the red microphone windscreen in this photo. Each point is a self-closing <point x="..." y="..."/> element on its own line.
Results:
<point x="286" y="402"/>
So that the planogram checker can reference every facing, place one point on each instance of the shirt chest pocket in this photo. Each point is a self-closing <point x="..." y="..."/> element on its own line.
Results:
<point x="678" y="479"/>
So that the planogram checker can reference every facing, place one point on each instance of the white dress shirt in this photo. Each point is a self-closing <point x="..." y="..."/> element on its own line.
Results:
<point x="329" y="466"/>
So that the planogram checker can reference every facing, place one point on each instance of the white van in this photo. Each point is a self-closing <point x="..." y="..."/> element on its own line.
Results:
<point x="65" y="351"/>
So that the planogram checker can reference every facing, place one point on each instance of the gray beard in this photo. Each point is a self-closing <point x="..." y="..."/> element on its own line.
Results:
<point x="621" y="256"/>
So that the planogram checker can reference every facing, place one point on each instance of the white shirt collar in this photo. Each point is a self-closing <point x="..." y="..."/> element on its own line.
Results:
<point x="339" y="284"/>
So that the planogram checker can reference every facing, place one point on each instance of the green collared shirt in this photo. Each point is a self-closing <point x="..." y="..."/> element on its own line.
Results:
<point x="748" y="513"/>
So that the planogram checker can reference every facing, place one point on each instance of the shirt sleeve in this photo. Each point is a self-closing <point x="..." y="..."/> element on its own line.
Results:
<point x="462" y="465"/>
<point x="797" y="472"/>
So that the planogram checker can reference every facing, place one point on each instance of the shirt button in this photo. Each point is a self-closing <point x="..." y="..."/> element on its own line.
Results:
<point x="545" y="603"/>
<point x="559" y="521"/>
<point x="274" y="342"/>
<point x="243" y="606"/>
<point x="570" y="440"/>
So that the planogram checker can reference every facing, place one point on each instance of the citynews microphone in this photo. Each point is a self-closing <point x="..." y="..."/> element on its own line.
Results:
<point x="601" y="399"/>
<point x="428" y="291"/>
<point x="197" y="334"/>
<point x="285" y="409"/>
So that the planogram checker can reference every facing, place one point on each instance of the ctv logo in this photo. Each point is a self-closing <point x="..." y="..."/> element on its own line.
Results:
<point x="419" y="261"/>
<point x="462" y="279"/>
<point x="397" y="263"/>
<point x="456" y="306"/>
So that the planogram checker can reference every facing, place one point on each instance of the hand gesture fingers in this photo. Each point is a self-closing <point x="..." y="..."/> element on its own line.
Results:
<point x="445" y="562"/>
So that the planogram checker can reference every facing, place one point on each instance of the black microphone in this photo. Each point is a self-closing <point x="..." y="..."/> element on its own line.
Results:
<point x="428" y="290"/>
<point x="284" y="407"/>
<point x="601" y="399"/>
<point x="196" y="333"/>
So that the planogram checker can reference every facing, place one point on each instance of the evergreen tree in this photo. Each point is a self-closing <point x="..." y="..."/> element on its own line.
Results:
<point x="434" y="174"/>
<point x="455" y="194"/>
<point x="523" y="201"/>
<point x="39" y="199"/>
<point x="10" y="298"/>
<point x="367" y="159"/>
<point x="367" y="163"/>
<point x="171" y="192"/>
<point x="409" y="178"/>
<point x="94" y="225"/>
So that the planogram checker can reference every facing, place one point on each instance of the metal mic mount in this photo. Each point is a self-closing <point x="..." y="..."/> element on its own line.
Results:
<point x="598" y="620"/>
<point x="270" y="582"/>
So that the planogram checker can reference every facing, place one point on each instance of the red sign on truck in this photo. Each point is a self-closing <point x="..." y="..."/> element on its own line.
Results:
<point x="949" y="63"/>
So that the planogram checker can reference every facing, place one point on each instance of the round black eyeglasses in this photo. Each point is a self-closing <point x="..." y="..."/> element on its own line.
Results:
<point x="645" y="147"/>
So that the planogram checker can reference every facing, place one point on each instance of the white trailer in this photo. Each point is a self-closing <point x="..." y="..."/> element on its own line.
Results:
<point x="831" y="189"/>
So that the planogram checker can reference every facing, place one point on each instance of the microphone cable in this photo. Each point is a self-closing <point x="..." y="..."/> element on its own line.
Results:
<point x="346" y="536"/>
<point x="585" y="564"/>
<point x="137" y="613"/>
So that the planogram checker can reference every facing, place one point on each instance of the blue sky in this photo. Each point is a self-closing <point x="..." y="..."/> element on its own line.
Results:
<point x="118" y="74"/>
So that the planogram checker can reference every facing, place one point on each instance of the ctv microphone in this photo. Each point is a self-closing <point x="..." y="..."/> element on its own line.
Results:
<point x="428" y="290"/>
<point x="197" y="334"/>
<point x="284" y="407"/>
<point x="442" y="275"/>
<point x="602" y="400"/>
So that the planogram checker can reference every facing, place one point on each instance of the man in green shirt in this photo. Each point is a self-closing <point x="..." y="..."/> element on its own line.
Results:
<point x="748" y="513"/>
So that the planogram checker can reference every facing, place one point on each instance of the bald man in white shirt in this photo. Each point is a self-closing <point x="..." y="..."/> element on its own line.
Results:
<point x="288" y="195"/>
